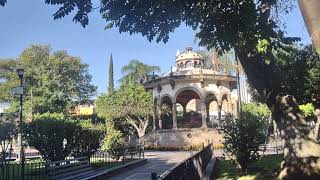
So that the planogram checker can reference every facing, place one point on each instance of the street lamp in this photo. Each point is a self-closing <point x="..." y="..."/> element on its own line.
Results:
<point x="238" y="82"/>
<point x="20" y="72"/>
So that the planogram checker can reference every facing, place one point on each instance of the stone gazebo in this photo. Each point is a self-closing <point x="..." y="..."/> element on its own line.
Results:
<point x="189" y="99"/>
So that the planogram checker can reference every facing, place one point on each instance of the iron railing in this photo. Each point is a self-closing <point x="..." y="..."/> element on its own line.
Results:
<point x="35" y="169"/>
<point x="191" y="168"/>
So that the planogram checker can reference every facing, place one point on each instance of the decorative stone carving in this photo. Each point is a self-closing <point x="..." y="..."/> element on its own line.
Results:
<point x="219" y="84"/>
<point x="159" y="88"/>
<point x="172" y="83"/>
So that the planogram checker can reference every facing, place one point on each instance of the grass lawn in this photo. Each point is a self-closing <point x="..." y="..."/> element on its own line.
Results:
<point x="267" y="168"/>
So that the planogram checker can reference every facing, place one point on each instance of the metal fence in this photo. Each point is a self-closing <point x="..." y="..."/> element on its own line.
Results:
<point x="31" y="170"/>
<point x="191" y="168"/>
<point x="35" y="169"/>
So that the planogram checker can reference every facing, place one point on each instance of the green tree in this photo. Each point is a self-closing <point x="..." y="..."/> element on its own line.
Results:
<point x="244" y="25"/>
<point x="131" y="103"/>
<point x="8" y="130"/>
<point x="136" y="70"/>
<point x="110" y="84"/>
<point x="298" y="64"/>
<point x="301" y="64"/>
<point x="53" y="80"/>
<point x="8" y="79"/>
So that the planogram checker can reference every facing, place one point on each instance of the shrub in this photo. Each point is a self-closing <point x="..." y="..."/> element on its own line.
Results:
<point x="307" y="109"/>
<point x="114" y="144"/>
<point x="242" y="136"/>
<point x="52" y="135"/>
<point x="88" y="138"/>
<point x="258" y="109"/>
<point x="56" y="136"/>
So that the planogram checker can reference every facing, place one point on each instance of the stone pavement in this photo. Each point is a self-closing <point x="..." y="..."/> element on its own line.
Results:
<point x="158" y="162"/>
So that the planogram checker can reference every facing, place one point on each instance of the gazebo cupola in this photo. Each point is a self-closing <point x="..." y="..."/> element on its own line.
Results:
<point x="189" y="59"/>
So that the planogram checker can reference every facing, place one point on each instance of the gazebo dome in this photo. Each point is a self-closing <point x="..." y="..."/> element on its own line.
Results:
<point x="189" y="59"/>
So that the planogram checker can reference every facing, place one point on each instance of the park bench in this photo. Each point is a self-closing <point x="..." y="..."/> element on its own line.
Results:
<point x="71" y="169"/>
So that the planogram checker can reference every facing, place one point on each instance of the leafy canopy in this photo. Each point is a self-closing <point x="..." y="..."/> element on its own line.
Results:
<point x="220" y="22"/>
<point x="130" y="100"/>
<point x="136" y="70"/>
<point x="53" y="80"/>
<point x="299" y="67"/>
<point x="129" y="105"/>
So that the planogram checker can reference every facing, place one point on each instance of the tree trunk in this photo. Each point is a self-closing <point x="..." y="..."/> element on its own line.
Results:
<point x="317" y="127"/>
<point x="141" y="128"/>
<point x="301" y="151"/>
<point x="310" y="10"/>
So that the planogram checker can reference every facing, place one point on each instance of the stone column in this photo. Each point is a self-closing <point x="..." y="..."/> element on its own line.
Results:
<point x="235" y="110"/>
<point x="219" y="110"/>
<point x="159" y="116"/>
<point x="174" y="116"/>
<point x="154" y="117"/>
<point x="204" y="114"/>
<point x="184" y="109"/>
<point x="229" y="105"/>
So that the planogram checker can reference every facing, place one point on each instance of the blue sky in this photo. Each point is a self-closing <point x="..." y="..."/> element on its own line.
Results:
<point x="25" y="22"/>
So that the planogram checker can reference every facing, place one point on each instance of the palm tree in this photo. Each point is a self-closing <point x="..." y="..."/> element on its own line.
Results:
<point x="136" y="70"/>
<point x="310" y="10"/>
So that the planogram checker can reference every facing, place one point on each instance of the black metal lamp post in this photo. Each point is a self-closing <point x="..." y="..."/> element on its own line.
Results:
<point x="20" y="72"/>
<point x="238" y="83"/>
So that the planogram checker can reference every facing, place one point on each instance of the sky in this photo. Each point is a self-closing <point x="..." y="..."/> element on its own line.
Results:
<point x="26" y="22"/>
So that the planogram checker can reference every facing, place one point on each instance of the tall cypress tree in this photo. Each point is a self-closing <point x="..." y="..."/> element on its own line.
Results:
<point x="110" y="85"/>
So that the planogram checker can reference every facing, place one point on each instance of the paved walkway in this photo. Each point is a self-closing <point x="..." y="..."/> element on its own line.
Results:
<point x="158" y="162"/>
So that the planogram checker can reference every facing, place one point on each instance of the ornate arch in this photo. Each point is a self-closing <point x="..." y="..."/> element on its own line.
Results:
<point x="166" y="95"/>
<point x="195" y="89"/>
<point x="224" y="91"/>
<point x="228" y="98"/>
<point x="206" y="94"/>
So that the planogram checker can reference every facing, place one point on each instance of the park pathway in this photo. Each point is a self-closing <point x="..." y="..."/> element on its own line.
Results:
<point x="158" y="162"/>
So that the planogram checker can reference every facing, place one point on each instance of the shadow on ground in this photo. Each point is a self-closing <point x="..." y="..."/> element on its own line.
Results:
<point x="267" y="168"/>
